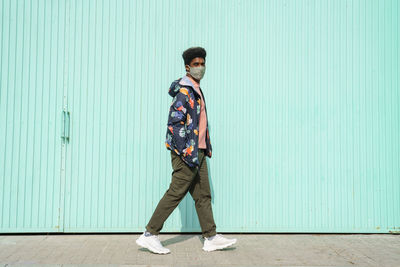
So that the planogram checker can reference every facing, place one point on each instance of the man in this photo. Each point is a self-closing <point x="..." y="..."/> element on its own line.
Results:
<point x="188" y="140"/>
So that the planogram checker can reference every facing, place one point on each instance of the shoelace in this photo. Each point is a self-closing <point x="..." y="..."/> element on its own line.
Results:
<point x="155" y="237"/>
<point x="216" y="236"/>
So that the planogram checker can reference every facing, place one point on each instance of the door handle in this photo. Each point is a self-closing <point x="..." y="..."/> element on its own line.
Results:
<point x="65" y="126"/>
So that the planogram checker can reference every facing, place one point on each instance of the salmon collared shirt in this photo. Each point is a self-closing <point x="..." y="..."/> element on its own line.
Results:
<point x="203" y="116"/>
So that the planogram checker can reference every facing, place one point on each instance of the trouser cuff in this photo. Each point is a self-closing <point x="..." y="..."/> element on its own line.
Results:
<point x="151" y="230"/>
<point x="209" y="233"/>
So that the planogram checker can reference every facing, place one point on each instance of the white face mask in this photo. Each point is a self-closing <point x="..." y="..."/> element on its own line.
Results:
<point x="197" y="72"/>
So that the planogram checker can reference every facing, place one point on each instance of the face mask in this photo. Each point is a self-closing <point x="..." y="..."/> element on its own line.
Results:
<point x="197" y="72"/>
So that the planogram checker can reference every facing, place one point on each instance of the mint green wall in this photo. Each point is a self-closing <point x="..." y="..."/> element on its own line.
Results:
<point x="302" y="99"/>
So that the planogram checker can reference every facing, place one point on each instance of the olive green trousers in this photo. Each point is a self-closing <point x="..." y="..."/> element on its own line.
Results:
<point x="184" y="179"/>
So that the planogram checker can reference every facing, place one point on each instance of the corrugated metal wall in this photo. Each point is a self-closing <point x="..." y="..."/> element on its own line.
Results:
<point x="302" y="99"/>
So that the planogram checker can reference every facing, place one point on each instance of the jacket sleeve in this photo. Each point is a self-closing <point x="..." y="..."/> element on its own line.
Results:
<point x="177" y="121"/>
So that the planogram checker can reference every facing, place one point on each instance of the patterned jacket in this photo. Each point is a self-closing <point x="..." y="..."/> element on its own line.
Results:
<point x="183" y="122"/>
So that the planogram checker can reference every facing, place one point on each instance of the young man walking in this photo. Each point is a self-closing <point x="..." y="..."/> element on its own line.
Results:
<point x="188" y="140"/>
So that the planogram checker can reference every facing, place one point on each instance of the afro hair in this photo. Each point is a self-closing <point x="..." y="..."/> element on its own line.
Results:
<point x="192" y="53"/>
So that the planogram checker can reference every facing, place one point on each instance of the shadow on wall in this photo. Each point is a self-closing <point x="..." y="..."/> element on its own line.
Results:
<point x="189" y="218"/>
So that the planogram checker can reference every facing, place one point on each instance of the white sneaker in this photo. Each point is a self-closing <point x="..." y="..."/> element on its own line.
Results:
<point x="217" y="242"/>
<point x="152" y="243"/>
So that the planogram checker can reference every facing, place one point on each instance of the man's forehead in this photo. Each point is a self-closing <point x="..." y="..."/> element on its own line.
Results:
<point x="197" y="59"/>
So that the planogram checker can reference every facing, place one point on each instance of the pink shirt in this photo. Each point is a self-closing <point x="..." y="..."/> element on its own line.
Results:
<point x="203" y="116"/>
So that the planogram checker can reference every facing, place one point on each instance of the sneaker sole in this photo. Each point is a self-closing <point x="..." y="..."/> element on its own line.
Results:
<point x="142" y="244"/>
<point x="219" y="247"/>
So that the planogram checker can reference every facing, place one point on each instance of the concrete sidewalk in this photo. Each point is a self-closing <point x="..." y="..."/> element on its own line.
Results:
<point x="186" y="250"/>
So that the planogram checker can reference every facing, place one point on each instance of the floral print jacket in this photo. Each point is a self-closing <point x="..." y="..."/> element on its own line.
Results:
<point x="183" y="122"/>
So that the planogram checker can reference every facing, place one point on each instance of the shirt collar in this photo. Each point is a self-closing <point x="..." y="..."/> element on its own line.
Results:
<point x="186" y="81"/>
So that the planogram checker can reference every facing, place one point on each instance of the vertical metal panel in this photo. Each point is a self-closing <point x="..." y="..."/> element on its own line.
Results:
<point x="31" y="80"/>
<point x="302" y="100"/>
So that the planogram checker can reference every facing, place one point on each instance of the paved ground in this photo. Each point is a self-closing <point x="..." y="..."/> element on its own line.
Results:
<point x="186" y="250"/>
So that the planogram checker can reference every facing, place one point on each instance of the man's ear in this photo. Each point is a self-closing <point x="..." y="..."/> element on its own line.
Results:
<point x="187" y="68"/>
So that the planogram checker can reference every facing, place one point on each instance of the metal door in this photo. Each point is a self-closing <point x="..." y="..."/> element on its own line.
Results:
<point x="31" y="120"/>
